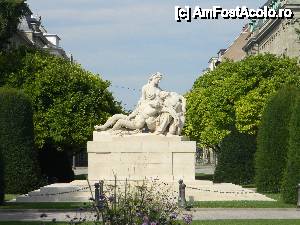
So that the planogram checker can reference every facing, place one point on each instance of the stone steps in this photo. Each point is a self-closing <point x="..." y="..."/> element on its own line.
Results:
<point x="78" y="191"/>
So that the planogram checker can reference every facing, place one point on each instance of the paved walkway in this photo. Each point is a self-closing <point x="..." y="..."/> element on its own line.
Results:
<point x="218" y="214"/>
<point x="198" y="214"/>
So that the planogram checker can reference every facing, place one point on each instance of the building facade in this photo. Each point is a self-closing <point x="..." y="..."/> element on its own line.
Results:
<point x="276" y="36"/>
<point x="235" y="51"/>
<point x="31" y="32"/>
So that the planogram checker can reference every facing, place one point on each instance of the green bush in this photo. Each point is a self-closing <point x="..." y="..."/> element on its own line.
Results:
<point x="272" y="141"/>
<point x="146" y="203"/>
<point x="21" y="171"/>
<point x="235" y="160"/>
<point x="291" y="176"/>
<point x="1" y="180"/>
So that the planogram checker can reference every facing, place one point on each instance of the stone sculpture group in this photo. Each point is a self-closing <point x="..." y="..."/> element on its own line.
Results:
<point x="158" y="112"/>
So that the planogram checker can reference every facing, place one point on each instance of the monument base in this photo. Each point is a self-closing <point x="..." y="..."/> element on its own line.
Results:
<point x="199" y="190"/>
<point x="141" y="157"/>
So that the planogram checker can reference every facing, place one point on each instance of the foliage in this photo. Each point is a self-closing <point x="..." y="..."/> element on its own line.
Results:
<point x="272" y="140"/>
<point x="132" y="204"/>
<point x="200" y="222"/>
<point x="2" y="193"/>
<point x="21" y="171"/>
<point x="291" y="177"/>
<point x="67" y="100"/>
<point x="142" y="204"/>
<point x="236" y="159"/>
<point x="234" y="95"/>
<point x="10" y="15"/>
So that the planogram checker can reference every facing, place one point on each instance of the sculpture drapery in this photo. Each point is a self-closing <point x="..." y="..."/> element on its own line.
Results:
<point x="158" y="112"/>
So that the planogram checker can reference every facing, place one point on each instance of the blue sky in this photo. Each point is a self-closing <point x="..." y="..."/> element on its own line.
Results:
<point x="126" y="40"/>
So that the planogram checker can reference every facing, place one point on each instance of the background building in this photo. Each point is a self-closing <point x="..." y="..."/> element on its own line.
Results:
<point x="31" y="32"/>
<point x="235" y="51"/>
<point x="276" y="36"/>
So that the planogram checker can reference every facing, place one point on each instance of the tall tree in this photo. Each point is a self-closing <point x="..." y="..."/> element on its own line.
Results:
<point x="234" y="95"/>
<point x="67" y="100"/>
<point x="11" y="12"/>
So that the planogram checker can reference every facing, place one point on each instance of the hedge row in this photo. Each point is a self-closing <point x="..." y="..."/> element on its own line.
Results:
<point x="278" y="154"/>
<point x="272" y="141"/>
<point x="236" y="159"/>
<point x="21" y="168"/>
<point x="291" y="177"/>
<point x="1" y="180"/>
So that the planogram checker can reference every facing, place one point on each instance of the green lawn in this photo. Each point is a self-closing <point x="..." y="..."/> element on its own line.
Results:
<point x="248" y="222"/>
<point x="212" y="222"/>
<point x="203" y="176"/>
<point x="8" y="197"/>
<point x="207" y="204"/>
<point x="80" y="177"/>
<point x="246" y="204"/>
<point x="42" y="205"/>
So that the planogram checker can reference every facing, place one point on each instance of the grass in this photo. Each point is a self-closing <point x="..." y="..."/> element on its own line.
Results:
<point x="42" y="205"/>
<point x="80" y="177"/>
<point x="203" y="176"/>
<point x="205" y="204"/>
<point x="211" y="222"/>
<point x="9" y="197"/>
<point x="245" y="204"/>
<point x="248" y="222"/>
<point x="248" y="186"/>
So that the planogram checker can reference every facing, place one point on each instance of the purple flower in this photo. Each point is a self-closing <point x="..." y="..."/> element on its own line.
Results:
<point x="187" y="218"/>
<point x="145" y="220"/>
<point x="139" y="214"/>
<point x="173" y="215"/>
<point x="111" y="198"/>
<point x="153" y="223"/>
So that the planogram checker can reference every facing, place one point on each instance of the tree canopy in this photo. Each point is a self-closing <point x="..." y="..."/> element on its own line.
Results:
<point x="234" y="95"/>
<point x="10" y="15"/>
<point x="67" y="100"/>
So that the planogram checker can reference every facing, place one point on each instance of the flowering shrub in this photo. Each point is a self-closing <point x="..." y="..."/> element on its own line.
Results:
<point x="139" y="205"/>
<point x="146" y="204"/>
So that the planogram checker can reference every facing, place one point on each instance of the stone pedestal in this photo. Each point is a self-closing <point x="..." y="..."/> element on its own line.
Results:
<point x="140" y="157"/>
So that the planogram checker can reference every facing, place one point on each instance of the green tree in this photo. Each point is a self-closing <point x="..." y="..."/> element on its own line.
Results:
<point x="67" y="100"/>
<point x="11" y="12"/>
<point x="272" y="140"/>
<point x="234" y="95"/>
<point x="21" y="170"/>
<point x="291" y="177"/>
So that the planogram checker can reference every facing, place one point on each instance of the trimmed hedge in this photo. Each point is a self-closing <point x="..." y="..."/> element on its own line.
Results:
<point x="235" y="160"/>
<point x="1" y="180"/>
<point x="21" y="169"/>
<point x="291" y="177"/>
<point x="272" y="141"/>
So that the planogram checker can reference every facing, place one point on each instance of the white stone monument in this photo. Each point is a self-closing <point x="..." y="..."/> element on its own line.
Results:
<point x="145" y="144"/>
